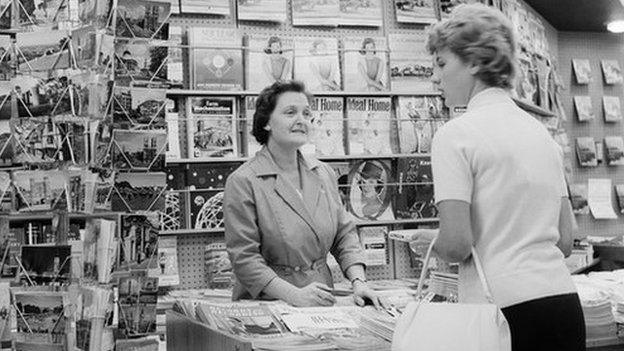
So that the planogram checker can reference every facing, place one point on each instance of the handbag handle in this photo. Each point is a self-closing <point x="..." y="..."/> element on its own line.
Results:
<point x="477" y="262"/>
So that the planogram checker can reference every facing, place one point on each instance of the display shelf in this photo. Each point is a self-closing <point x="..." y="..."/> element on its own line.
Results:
<point x="321" y="158"/>
<point x="192" y="92"/>
<point x="361" y="223"/>
<point x="190" y="231"/>
<point x="532" y="108"/>
<point x="43" y="216"/>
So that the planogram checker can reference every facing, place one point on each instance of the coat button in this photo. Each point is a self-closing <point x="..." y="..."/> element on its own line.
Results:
<point x="297" y="269"/>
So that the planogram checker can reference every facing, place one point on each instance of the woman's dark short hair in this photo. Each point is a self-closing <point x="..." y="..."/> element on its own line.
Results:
<point x="272" y="40"/>
<point x="365" y="42"/>
<point x="265" y="105"/>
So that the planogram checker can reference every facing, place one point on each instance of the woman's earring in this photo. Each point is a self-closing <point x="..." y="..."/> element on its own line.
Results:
<point x="267" y="128"/>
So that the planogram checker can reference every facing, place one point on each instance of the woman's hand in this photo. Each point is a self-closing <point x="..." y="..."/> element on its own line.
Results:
<point x="361" y="291"/>
<point x="314" y="294"/>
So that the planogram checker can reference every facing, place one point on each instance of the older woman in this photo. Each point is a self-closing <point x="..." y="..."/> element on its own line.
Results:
<point x="499" y="186"/>
<point x="283" y="213"/>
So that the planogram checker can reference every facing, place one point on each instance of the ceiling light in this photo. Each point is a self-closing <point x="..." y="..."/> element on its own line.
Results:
<point x="616" y="26"/>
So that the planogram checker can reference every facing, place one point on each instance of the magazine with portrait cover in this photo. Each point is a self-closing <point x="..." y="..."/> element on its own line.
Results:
<point x="262" y="10"/>
<point x="619" y="193"/>
<point x="216" y="58"/>
<point x="40" y="190"/>
<point x="584" y="108"/>
<point x="139" y="150"/>
<point x="211" y="128"/>
<point x="369" y="125"/>
<point x="414" y="190"/>
<point x="614" y="146"/>
<point x="167" y="270"/>
<point x="212" y="7"/>
<point x="367" y="13"/>
<point x="328" y="126"/>
<point x="375" y="244"/>
<point x="140" y="59"/>
<point x="139" y="192"/>
<point x="317" y="63"/>
<point x="578" y="198"/>
<point x="365" y="64"/>
<point x="315" y="13"/>
<point x="139" y="107"/>
<point x="371" y="190"/>
<point x="219" y="272"/>
<point x="411" y="66"/>
<point x="611" y="71"/>
<point x="612" y="108"/>
<point x="586" y="152"/>
<point x="582" y="71"/>
<point x="415" y="11"/>
<point x="269" y="60"/>
<point x="418" y="118"/>
<point x="142" y="19"/>
<point x="252" y="145"/>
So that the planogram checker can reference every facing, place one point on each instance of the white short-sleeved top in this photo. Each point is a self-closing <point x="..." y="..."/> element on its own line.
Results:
<point x="503" y="162"/>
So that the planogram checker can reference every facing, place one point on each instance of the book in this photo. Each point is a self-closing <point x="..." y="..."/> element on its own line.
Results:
<point x="269" y="60"/>
<point x="142" y="19"/>
<point x="167" y="271"/>
<point x="317" y="64"/>
<point x="139" y="149"/>
<point x="612" y="109"/>
<point x="219" y="272"/>
<point x="411" y="66"/>
<point x="418" y="119"/>
<point x="216" y="59"/>
<point x="582" y="71"/>
<point x="361" y="13"/>
<point x="315" y="13"/>
<point x="619" y="193"/>
<point x="578" y="198"/>
<point x="251" y="146"/>
<point x="415" y="11"/>
<point x="262" y="10"/>
<point x="375" y="244"/>
<point x="213" y="7"/>
<point x="614" y="146"/>
<point x="611" y="71"/>
<point x="586" y="152"/>
<point x="370" y="190"/>
<point x="369" y="124"/>
<point x="584" y="109"/>
<point x="328" y="122"/>
<point x="414" y="192"/>
<point x="211" y="127"/>
<point x="139" y="192"/>
<point x="365" y="64"/>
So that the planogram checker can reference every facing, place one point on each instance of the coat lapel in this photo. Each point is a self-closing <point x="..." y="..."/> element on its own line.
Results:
<point x="290" y="196"/>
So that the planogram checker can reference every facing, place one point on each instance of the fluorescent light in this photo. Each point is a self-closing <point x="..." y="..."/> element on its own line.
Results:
<point x="616" y="26"/>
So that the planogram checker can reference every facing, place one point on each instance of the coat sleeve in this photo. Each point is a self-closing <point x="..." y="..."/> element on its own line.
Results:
<point x="242" y="235"/>
<point x="346" y="246"/>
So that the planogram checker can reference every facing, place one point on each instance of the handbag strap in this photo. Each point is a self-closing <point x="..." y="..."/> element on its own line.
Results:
<point x="477" y="262"/>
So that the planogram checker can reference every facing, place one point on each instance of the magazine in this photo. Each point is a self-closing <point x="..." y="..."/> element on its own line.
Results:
<point x="206" y="209"/>
<point x="139" y="192"/>
<point x="414" y="190"/>
<point x="142" y="19"/>
<point x="342" y="169"/>
<point x="328" y="122"/>
<point x="252" y="145"/>
<point x="370" y="190"/>
<point x="586" y="152"/>
<point x="612" y="109"/>
<point x="262" y="10"/>
<point x="375" y="244"/>
<point x="369" y="125"/>
<point x="317" y="63"/>
<point x="365" y="64"/>
<point x="269" y="60"/>
<point x="251" y="320"/>
<point x="211" y="127"/>
<point x="418" y="120"/>
<point x="614" y="146"/>
<point x="216" y="58"/>
<point x="611" y="71"/>
<point x="582" y="71"/>
<point x="361" y="13"/>
<point x="578" y="198"/>
<point x="415" y="11"/>
<point x="218" y="266"/>
<point x="315" y="13"/>
<point x="411" y="66"/>
<point x="213" y="7"/>
<point x="584" y="109"/>
<point x="167" y="271"/>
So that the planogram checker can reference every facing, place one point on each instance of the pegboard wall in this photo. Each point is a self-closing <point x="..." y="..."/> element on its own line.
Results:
<point x="593" y="47"/>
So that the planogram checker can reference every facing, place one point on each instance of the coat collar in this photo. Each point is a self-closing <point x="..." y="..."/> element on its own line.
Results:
<point x="264" y="164"/>
<point x="489" y="96"/>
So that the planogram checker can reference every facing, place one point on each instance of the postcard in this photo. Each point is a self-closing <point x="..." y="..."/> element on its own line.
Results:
<point x="139" y="149"/>
<point x="415" y="11"/>
<point x="139" y="192"/>
<point x="142" y="19"/>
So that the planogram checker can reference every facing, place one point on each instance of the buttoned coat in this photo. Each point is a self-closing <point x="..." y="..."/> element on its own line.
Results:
<point x="273" y="231"/>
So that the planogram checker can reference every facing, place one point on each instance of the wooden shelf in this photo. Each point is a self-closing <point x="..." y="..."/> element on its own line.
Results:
<point x="322" y="158"/>
<point x="192" y="92"/>
<point x="532" y="108"/>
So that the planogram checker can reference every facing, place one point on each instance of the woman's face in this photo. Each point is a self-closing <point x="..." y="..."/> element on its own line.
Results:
<point x="369" y="48"/>
<point x="454" y="78"/>
<point x="290" y="123"/>
<point x="276" y="47"/>
<point x="368" y="187"/>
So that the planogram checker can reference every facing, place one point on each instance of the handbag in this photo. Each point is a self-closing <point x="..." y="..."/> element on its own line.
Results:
<point x="451" y="326"/>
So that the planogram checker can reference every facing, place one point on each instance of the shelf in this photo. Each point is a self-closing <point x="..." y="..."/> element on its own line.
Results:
<point x="532" y="108"/>
<point x="192" y="92"/>
<point x="360" y="223"/>
<point x="190" y="231"/>
<point x="47" y="216"/>
<point x="321" y="158"/>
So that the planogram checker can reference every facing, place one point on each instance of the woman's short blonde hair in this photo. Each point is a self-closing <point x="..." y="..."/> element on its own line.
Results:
<point x="482" y="36"/>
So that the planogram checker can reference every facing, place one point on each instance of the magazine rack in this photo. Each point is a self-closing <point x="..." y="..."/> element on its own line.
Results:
<point x="183" y="333"/>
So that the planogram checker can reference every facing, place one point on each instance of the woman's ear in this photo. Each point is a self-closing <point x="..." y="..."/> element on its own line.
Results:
<point x="473" y="68"/>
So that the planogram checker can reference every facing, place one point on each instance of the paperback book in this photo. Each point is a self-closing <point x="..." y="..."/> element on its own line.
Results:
<point x="215" y="58"/>
<point x="415" y="11"/>
<point x="375" y="244"/>
<point x="584" y="109"/>
<point x="411" y="66"/>
<point x="612" y="109"/>
<point x="611" y="71"/>
<point x="315" y="13"/>
<point x="328" y="126"/>
<point x="269" y="60"/>
<point x="212" y="127"/>
<point x="369" y="124"/>
<point x="370" y="190"/>
<point x="361" y="13"/>
<point x="262" y="10"/>
<point x="219" y="272"/>
<point x="317" y="63"/>
<point x="614" y="146"/>
<point x="582" y="71"/>
<point x="366" y="64"/>
<point x="414" y="190"/>
<point x="586" y="152"/>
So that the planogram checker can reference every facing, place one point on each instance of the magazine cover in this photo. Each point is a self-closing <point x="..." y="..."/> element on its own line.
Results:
<point x="361" y="13"/>
<point x="138" y="243"/>
<point x="137" y="305"/>
<point x="139" y="150"/>
<point x="269" y="60"/>
<point x="218" y="266"/>
<point x="252" y="145"/>
<point x="249" y="321"/>
<point x="414" y="191"/>
<point x="167" y="271"/>
<point x="582" y="71"/>
<point x="584" y="109"/>
<point x="262" y="10"/>
<point x="411" y="66"/>
<point x="212" y="127"/>
<point x="370" y="191"/>
<point x="139" y="107"/>
<point x="41" y="316"/>
<point x="216" y="58"/>
<point x="141" y="60"/>
<point x="611" y="71"/>
<point x="612" y="109"/>
<point x="619" y="193"/>
<point x="142" y="19"/>
<point x="328" y="126"/>
<point x="317" y="64"/>
<point x="139" y="192"/>
<point x="415" y="11"/>
<point x="586" y="152"/>
<point x="213" y="7"/>
<point x="418" y="119"/>
<point x="206" y="209"/>
<point x="365" y="64"/>
<point x="578" y="198"/>
<point x="315" y="13"/>
<point x="614" y="146"/>
<point x="375" y="244"/>
<point x="368" y="121"/>
<point x="40" y="190"/>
